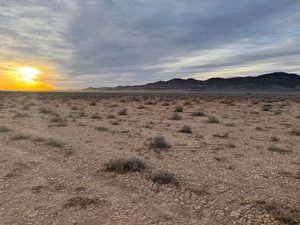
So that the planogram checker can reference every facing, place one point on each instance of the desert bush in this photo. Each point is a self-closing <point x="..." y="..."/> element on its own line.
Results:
<point x="141" y="107"/>
<point x="19" y="137"/>
<point x="295" y="132"/>
<point x="187" y="103"/>
<point x="93" y="104"/>
<point x="278" y="150"/>
<point x="21" y="115"/>
<point x="274" y="139"/>
<point x="38" y="139"/>
<point x="59" y="121"/>
<point x="266" y="107"/>
<point x="224" y="135"/>
<point x="123" y="112"/>
<point x="150" y="103"/>
<point x="259" y="128"/>
<point x="102" y="129"/>
<point x="186" y="129"/>
<point x="175" y="116"/>
<point x="198" y="113"/>
<point x="115" y="122"/>
<point x="81" y="202"/>
<point x="164" y="178"/>
<point x="124" y="165"/>
<point x="4" y="129"/>
<point x="44" y="110"/>
<point x="230" y="124"/>
<point x="278" y="112"/>
<point x="283" y="214"/>
<point x="54" y="143"/>
<point x="82" y="113"/>
<point x="96" y="116"/>
<point x="212" y="119"/>
<point x="159" y="142"/>
<point x="178" y="108"/>
<point x="110" y="116"/>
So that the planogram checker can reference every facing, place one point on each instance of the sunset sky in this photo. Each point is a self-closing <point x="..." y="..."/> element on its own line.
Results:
<point x="82" y="43"/>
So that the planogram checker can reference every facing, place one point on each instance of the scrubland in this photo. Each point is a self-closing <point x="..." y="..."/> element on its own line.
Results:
<point x="133" y="159"/>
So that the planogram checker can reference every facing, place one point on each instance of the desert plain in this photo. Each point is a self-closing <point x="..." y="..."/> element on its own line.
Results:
<point x="149" y="158"/>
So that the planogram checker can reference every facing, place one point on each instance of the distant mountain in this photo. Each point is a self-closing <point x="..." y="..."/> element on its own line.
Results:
<point x="278" y="81"/>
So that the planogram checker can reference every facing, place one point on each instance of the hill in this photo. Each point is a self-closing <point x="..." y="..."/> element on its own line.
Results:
<point x="278" y="81"/>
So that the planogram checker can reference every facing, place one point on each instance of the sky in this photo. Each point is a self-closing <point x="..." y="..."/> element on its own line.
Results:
<point x="79" y="44"/>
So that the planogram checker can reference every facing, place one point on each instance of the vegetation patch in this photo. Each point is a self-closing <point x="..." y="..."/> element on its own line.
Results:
<point x="159" y="142"/>
<point x="186" y="129"/>
<point x="212" y="119"/>
<point x="4" y="129"/>
<point x="102" y="129"/>
<point x="54" y="143"/>
<point x="82" y="202"/>
<point x="279" y="150"/>
<point x="19" y="137"/>
<point x="124" y="165"/>
<point x="164" y="178"/>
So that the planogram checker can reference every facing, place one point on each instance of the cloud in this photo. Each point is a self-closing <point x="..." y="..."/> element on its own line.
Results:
<point x="113" y="42"/>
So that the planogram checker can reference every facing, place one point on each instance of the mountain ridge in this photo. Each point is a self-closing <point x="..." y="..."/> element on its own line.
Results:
<point x="280" y="81"/>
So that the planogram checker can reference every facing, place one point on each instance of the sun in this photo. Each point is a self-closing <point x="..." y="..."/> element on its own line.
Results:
<point x="28" y="74"/>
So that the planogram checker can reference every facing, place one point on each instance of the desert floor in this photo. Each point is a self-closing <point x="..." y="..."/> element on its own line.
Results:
<point x="237" y="160"/>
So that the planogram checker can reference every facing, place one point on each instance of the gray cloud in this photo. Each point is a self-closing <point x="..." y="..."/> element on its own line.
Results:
<point x="112" y="42"/>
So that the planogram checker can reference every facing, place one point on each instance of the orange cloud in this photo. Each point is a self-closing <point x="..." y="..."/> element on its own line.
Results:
<point x="10" y="80"/>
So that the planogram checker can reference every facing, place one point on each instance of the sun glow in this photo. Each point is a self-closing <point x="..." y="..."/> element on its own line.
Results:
<point x="19" y="76"/>
<point x="28" y="75"/>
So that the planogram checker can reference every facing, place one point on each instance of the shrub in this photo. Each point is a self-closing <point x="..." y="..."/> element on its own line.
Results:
<point x="141" y="107"/>
<point x="266" y="107"/>
<point x="274" y="139"/>
<point x="123" y="112"/>
<point x="224" y="135"/>
<point x="175" y="116"/>
<point x="186" y="129"/>
<point x="278" y="150"/>
<point x="59" y="121"/>
<point x="81" y="202"/>
<point x="111" y="116"/>
<point x="102" y="129"/>
<point x="198" y="113"/>
<point x="44" y="110"/>
<point x="212" y="119"/>
<point x="178" y="108"/>
<point x="96" y="116"/>
<point x="259" y="128"/>
<point x="19" y="137"/>
<point x="125" y="165"/>
<point x="295" y="132"/>
<point x="159" y="142"/>
<point x="164" y="178"/>
<point x="4" y="129"/>
<point x="54" y="143"/>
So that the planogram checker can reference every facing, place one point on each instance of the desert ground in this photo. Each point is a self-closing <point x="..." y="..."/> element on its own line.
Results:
<point x="137" y="159"/>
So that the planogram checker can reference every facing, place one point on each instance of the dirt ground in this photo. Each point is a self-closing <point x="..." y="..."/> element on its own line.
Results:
<point x="236" y="161"/>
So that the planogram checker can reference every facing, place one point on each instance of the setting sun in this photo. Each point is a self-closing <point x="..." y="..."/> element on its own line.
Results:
<point x="28" y="74"/>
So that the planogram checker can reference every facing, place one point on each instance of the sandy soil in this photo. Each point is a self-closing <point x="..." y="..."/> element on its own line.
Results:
<point x="240" y="167"/>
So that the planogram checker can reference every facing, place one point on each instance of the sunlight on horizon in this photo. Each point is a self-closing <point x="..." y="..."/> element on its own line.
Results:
<point x="17" y="77"/>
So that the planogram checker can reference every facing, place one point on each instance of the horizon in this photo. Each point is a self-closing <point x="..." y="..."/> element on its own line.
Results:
<point x="71" y="44"/>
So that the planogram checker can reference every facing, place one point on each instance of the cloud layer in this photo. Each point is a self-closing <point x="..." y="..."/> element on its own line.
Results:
<point x="113" y="42"/>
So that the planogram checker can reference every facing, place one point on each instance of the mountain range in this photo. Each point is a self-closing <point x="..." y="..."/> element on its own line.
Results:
<point x="278" y="81"/>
